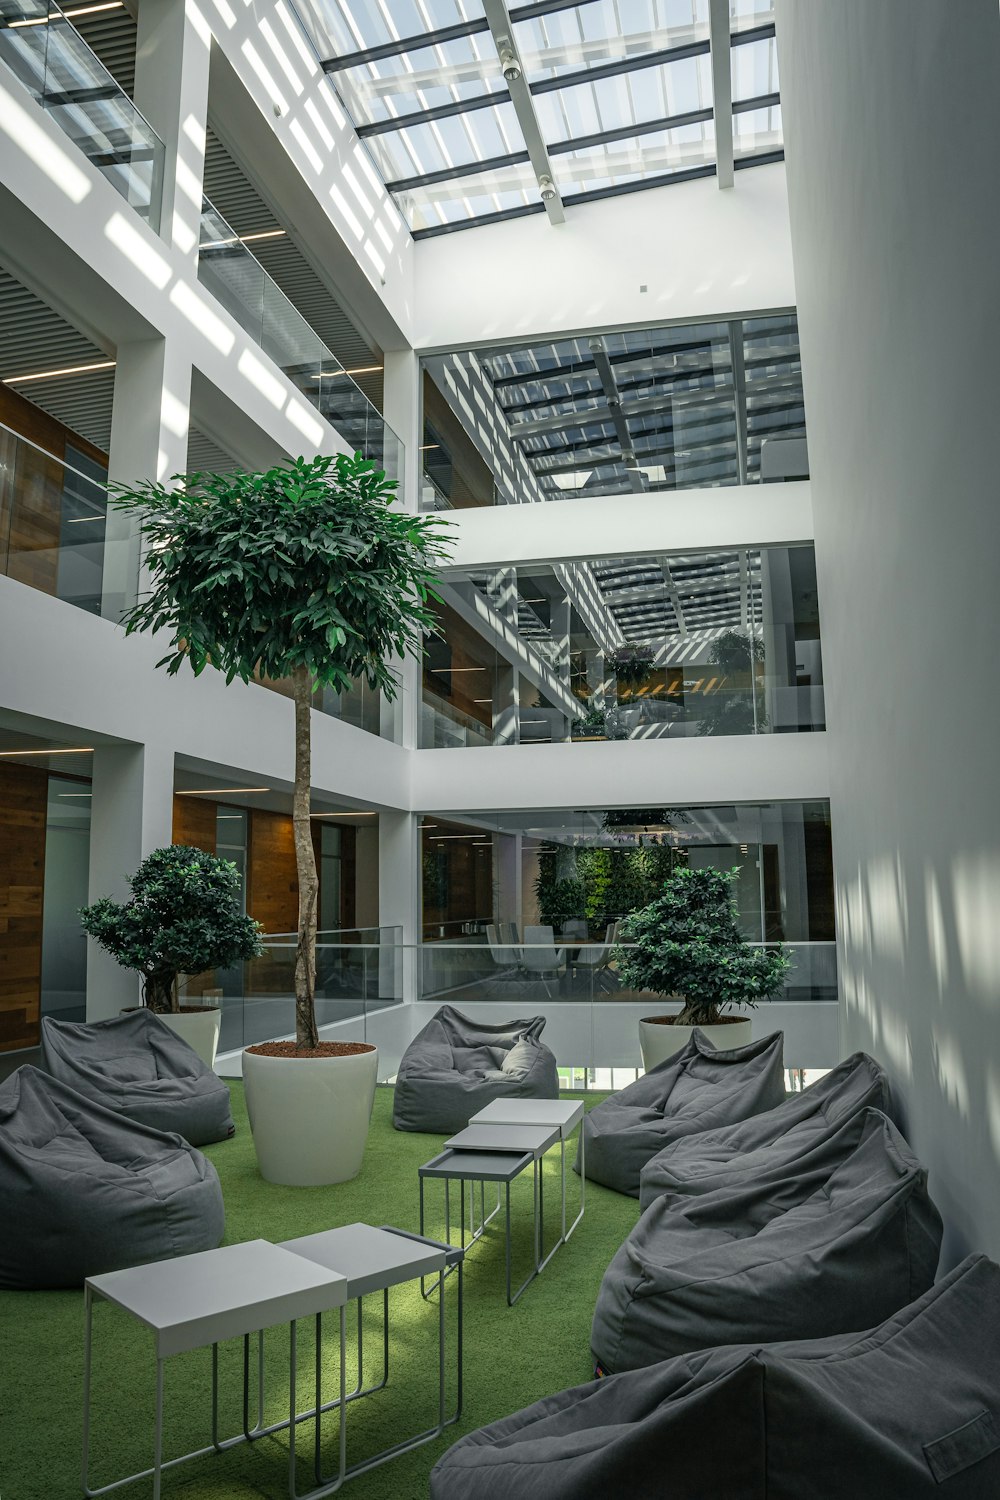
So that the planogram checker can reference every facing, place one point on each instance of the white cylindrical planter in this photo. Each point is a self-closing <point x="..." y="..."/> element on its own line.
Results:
<point x="658" y="1042"/>
<point x="309" y="1115"/>
<point x="200" y="1029"/>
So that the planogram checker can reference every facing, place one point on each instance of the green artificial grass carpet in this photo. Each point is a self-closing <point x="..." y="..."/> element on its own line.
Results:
<point x="513" y="1356"/>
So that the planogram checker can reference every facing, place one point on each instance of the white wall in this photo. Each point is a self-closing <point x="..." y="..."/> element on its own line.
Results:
<point x="892" y="122"/>
<point x="699" y="251"/>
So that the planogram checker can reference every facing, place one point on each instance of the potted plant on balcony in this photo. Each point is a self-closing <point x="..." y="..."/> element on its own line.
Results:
<point x="686" y="945"/>
<point x="632" y="666"/>
<point x="185" y="915"/>
<point x="307" y="573"/>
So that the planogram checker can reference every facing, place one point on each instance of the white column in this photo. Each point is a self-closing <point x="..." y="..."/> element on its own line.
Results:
<point x="149" y="430"/>
<point x="131" y="814"/>
<point x="401" y="407"/>
<point x="399" y="887"/>
<point x="171" y="89"/>
<point x="894" y="233"/>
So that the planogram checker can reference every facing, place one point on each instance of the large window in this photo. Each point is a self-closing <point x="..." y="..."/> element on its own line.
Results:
<point x="627" y="412"/>
<point x="664" y="646"/>
<point x="491" y="877"/>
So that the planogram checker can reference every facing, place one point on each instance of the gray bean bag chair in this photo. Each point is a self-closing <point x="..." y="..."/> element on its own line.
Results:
<point x="697" y="1089"/>
<point x="907" y="1410"/>
<point x="771" y="1143"/>
<point x="135" y="1065"/>
<point x="744" y="1264"/>
<point x="83" y="1190"/>
<point x="455" y="1066"/>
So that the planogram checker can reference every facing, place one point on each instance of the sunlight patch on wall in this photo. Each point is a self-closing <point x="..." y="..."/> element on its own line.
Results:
<point x="976" y="896"/>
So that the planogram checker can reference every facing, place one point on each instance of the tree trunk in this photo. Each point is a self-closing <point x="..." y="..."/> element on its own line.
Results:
<point x="699" y="1014"/>
<point x="306" y="1034"/>
<point x="158" y="992"/>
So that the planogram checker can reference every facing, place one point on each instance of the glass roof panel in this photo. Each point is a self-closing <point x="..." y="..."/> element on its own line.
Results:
<point x="744" y="15"/>
<point x="470" y="197"/>
<point x="583" y="36"/>
<point x="464" y="68"/>
<point x="652" y="155"/>
<point x="457" y="140"/>
<point x="755" y="69"/>
<point x="342" y="26"/>
<point x="757" y="130"/>
<point x="628" y="99"/>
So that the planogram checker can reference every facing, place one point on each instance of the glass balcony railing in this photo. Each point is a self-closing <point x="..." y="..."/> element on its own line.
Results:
<point x="238" y="280"/>
<point x="53" y="529"/>
<point x="362" y="707"/>
<point x="45" y="52"/>
<point x="365" y="982"/>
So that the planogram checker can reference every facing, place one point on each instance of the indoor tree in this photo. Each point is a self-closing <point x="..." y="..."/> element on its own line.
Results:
<point x="185" y="915"/>
<point x="687" y="943"/>
<point x="307" y="573"/>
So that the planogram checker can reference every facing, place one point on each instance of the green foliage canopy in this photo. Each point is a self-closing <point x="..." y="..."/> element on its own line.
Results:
<point x="185" y="915"/>
<point x="305" y="565"/>
<point x="687" y="942"/>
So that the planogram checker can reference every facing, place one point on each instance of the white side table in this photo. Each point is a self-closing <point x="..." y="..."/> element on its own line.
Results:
<point x="567" y="1114"/>
<point x="374" y="1260"/>
<point x="197" y="1301"/>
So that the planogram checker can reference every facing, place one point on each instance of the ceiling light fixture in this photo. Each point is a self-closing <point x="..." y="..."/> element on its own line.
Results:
<point x="546" y="187"/>
<point x="217" y="791"/>
<point x="107" y="364"/>
<point x="77" y="750"/>
<point x="79" y="10"/>
<point x="508" y="60"/>
<point x="345" y="815"/>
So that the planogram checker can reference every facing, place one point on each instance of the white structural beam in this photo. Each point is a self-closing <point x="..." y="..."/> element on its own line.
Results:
<point x="524" y="107"/>
<point x="722" y="91"/>
<point x="589" y="527"/>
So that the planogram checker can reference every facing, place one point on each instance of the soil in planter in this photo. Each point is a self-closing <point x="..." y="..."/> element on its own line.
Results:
<point x="325" y="1049"/>
<point x="676" y="1020"/>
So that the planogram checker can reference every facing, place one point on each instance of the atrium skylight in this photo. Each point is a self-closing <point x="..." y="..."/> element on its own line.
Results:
<point x="476" y="111"/>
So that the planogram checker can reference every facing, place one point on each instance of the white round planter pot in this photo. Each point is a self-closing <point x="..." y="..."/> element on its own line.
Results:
<point x="658" y="1042"/>
<point x="309" y="1115"/>
<point x="199" y="1028"/>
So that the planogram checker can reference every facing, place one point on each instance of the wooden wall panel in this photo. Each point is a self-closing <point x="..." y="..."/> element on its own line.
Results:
<point x="30" y="421"/>
<point x="272" y="886"/>
<point x="31" y="488"/>
<point x="194" y="823"/>
<point x="23" y="797"/>
<point x="348" y="875"/>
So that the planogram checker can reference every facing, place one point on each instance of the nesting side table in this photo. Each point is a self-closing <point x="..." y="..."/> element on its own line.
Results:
<point x="564" y="1113"/>
<point x="198" y="1301"/>
<point x="494" y="1153"/>
<point x="374" y="1260"/>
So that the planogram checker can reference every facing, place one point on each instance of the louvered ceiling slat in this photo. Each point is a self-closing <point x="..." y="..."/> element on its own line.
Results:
<point x="33" y="338"/>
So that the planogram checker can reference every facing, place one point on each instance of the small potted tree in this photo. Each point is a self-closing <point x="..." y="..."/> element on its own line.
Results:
<point x="306" y="573"/>
<point x="632" y="666"/>
<point x="184" y="916"/>
<point x="686" y="945"/>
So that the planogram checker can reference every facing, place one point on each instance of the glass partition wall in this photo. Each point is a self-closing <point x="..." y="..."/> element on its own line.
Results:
<point x="538" y="898"/>
<point x="713" y="643"/>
